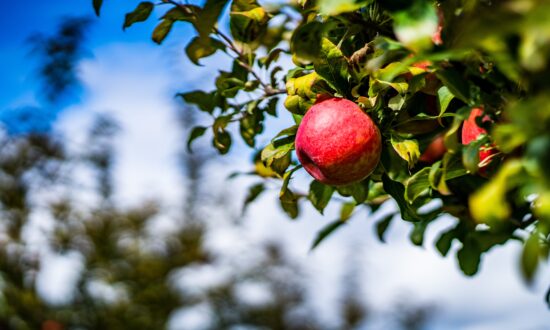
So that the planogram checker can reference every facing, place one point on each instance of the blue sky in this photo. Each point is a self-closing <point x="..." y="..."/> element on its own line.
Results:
<point x="127" y="75"/>
<point x="23" y="19"/>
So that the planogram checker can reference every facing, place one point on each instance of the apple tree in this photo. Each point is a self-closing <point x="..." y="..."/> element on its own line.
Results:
<point x="458" y="90"/>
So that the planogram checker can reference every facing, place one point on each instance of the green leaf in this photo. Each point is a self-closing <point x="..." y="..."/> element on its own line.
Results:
<point x="335" y="7"/>
<point x="277" y="149"/>
<point x="253" y="193"/>
<point x="208" y="17"/>
<point x="306" y="40"/>
<point x="289" y="131"/>
<point x="319" y="195"/>
<point x="280" y="165"/>
<point x="417" y="234"/>
<point x="325" y="232"/>
<point x="228" y="85"/>
<point x="97" y="6"/>
<point x="383" y="225"/>
<point x="251" y="123"/>
<point x="489" y="204"/>
<point x="140" y="14"/>
<point x="456" y="84"/>
<point x="287" y="198"/>
<point x="417" y="185"/>
<point x="396" y="102"/>
<point x="199" y="48"/>
<point x="509" y="137"/>
<point x="332" y="66"/>
<point x="222" y="142"/>
<point x="205" y="101"/>
<point x="161" y="31"/>
<point x="415" y="26"/>
<point x="359" y="191"/>
<point x="406" y="148"/>
<point x="222" y="139"/>
<point x="271" y="107"/>
<point x="530" y="257"/>
<point x="197" y="132"/>
<point x="247" y="21"/>
<point x="445" y="97"/>
<point x="469" y="257"/>
<point x="270" y="58"/>
<point x="396" y="190"/>
<point x="185" y="13"/>
<point x="444" y="242"/>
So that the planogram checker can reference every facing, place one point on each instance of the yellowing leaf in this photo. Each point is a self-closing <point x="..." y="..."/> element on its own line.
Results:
<point x="488" y="204"/>
<point x="335" y="7"/>
<point x="406" y="148"/>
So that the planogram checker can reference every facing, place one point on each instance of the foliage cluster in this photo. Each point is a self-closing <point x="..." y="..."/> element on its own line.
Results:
<point x="418" y="68"/>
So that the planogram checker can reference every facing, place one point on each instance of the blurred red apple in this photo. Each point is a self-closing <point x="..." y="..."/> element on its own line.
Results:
<point x="471" y="131"/>
<point x="434" y="152"/>
<point x="52" y="325"/>
<point x="337" y="143"/>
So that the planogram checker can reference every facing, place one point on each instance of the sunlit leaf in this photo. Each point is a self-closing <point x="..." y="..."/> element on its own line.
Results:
<point x="140" y="14"/>
<point x="415" y="26"/>
<point x="346" y="211"/>
<point x="161" y="31"/>
<point x="406" y="148"/>
<point x="445" y="97"/>
<point x="335" y="7"/>
<point x="199" y="48"/>
<point x="248" y="21"/>
<point x="417" y="185"/>
<point x="489" y="204"/>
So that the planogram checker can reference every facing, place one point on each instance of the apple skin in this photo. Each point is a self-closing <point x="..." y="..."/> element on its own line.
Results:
<point x="470" y="132"/>
<point x="337" y="143"/>
<point x="434" y="152"/>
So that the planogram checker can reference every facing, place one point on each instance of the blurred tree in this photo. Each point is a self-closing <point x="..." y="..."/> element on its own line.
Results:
<point x="59" y="55"/>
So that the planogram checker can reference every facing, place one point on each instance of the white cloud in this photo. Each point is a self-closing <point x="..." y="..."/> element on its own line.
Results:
<point x="57" y="278"/>
<point x="130" y="83"/>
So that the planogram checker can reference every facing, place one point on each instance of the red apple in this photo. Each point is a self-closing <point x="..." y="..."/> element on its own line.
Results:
<point x="434" y="152"/>
<point x="337" y="143"/>
<point x="470" y="132"/>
